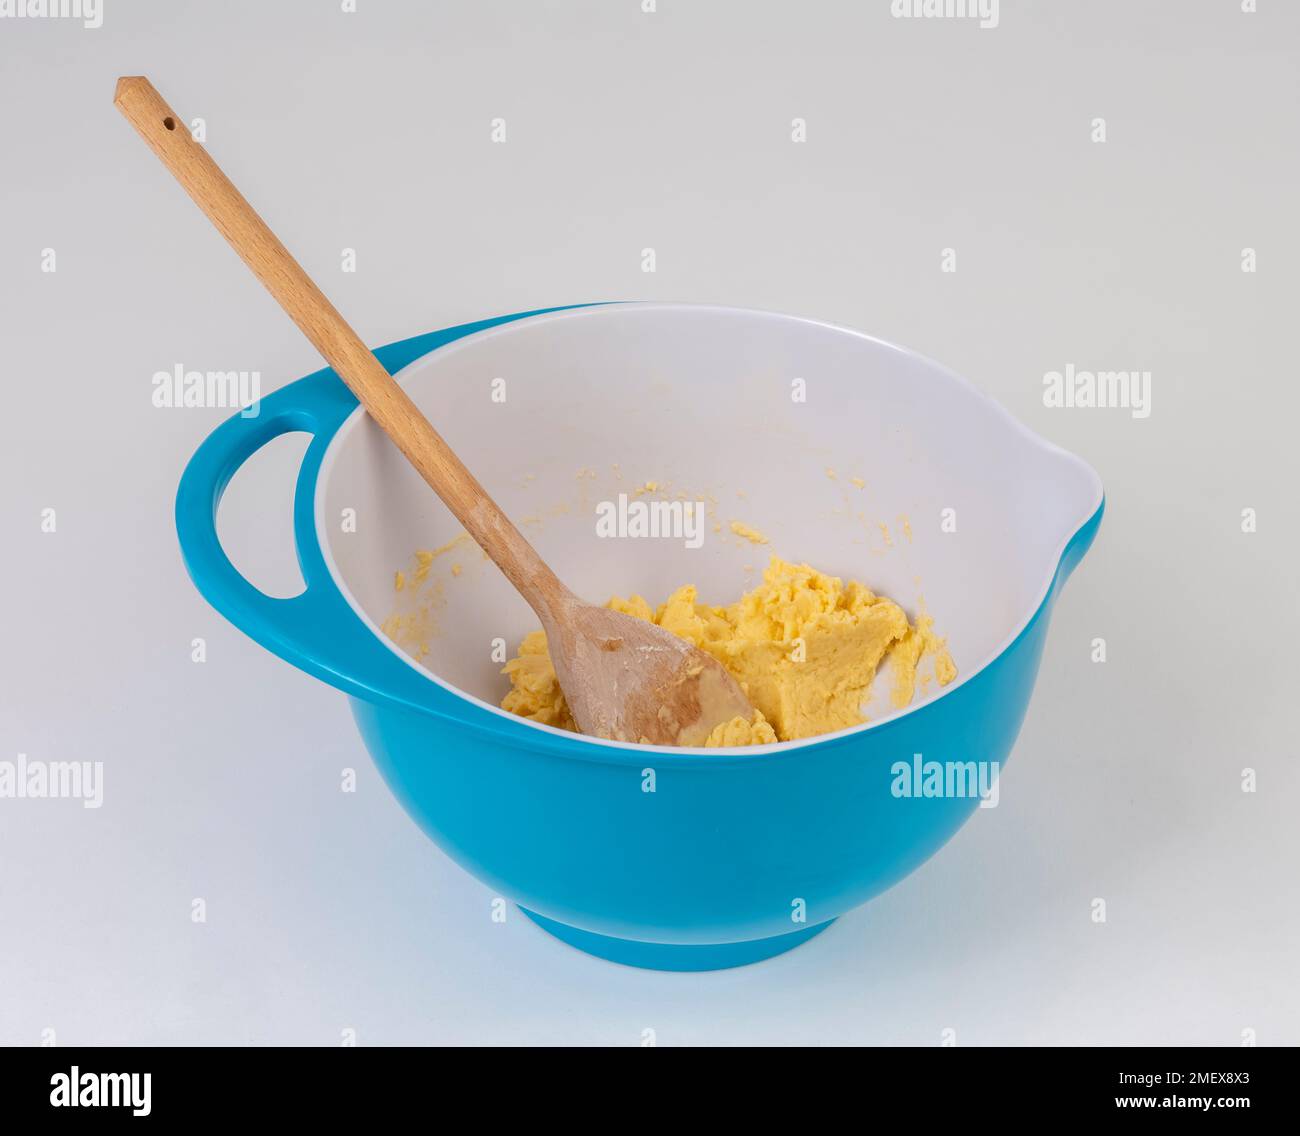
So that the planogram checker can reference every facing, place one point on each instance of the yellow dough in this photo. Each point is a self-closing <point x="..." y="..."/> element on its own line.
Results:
<point x="804" y="646"/>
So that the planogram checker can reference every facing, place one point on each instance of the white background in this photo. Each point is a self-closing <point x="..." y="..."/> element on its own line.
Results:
<point x="670" y="130"/>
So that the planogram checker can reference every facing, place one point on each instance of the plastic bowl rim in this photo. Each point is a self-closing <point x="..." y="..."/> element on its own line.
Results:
<point x="631" y="751"/>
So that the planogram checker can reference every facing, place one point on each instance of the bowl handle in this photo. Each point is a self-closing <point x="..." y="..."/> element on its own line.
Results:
<point x="317" y="630"/>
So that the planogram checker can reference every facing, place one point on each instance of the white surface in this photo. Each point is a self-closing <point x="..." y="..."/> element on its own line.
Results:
<point x="371" y="131"/>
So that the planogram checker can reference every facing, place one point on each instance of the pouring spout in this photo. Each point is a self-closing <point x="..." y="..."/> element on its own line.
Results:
<point x="1077" y="547"/>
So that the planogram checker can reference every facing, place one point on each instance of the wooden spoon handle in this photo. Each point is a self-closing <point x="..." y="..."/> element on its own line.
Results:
<point x="342" y="348"/>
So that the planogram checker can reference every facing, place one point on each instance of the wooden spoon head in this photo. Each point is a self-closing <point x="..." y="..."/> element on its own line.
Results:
<point x="632" y="681"/>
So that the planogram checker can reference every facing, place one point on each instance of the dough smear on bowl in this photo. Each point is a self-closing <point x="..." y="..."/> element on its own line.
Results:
<point x="804" y="646"/>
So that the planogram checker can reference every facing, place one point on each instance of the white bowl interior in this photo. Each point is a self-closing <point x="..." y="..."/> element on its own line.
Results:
<point x="742" y="412"/>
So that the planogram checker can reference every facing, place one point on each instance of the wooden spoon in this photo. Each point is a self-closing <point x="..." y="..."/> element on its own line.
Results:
<point x="623" y="678"/>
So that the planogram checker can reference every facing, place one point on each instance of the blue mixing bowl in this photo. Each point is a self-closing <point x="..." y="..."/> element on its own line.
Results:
<point x="663" y="858"/>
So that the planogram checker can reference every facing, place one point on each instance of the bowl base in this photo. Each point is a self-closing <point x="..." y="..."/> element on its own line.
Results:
<point x="675" y="956"/>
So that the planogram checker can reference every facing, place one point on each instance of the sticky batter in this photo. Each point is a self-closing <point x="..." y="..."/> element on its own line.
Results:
<point x="804" y="646"/>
